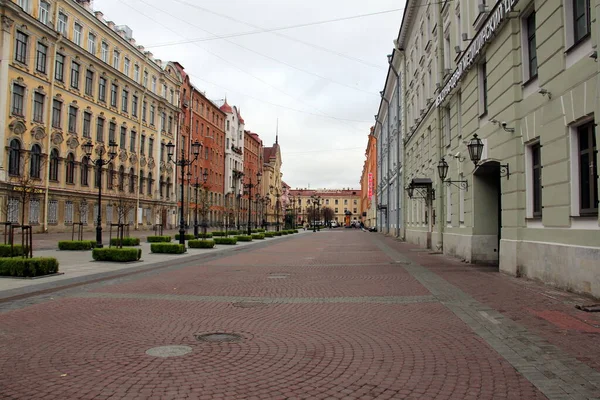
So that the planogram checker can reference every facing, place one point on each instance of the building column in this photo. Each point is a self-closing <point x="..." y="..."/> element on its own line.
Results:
<point x="7" y="24"/>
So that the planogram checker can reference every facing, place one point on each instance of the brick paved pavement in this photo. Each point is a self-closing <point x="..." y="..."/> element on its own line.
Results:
<point x="338" y="315"/>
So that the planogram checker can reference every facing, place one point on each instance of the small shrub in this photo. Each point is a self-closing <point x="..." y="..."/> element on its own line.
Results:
<point x="225" y="240"/>
<point x="284" y="232"/>
<point x="278" y="233"/>
<point x="269" y="234"/>
<point x="260" y="230"/>
<point x="207" y="235"/>
<point x="233" y="233"/>
<point x="258" y="236"/>
<point x="295" y="230"/>
<point x="167" y="248"/>
<point x="187" y="236"/>
<point x="118" y="255"/>
<point x="127" y="241"/>
<point x="76" y="245"/>
<point x="17" y="250"/>
<point x="201" y="244"/>
<point x="244" y="238"/>
<point x="28" y="267"/>
<point x="159" y="239"/>
<point x="218" y="233"/>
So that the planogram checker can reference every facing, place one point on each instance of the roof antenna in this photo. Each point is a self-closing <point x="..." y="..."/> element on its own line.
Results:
<point x="277" y="132"/>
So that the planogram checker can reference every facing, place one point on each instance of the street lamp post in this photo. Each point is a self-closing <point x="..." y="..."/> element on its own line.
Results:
<point x="316" y="200"/>
<point x="204" y="203"/>
<point x="249" y="186"/>
<point x="183" y="162"/>
<point x="277" y="204"/>
<point x="100" y="162"/>
<point x="196" y="187"/>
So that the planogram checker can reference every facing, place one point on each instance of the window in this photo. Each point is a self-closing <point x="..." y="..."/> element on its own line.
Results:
<point x="153" y="84"/>
<point x="124" y="100"/>
<point x="164" y="91"/>
<point x="131" y="181"/>
<point x="77" y="30"/>
<point x="72" y="119"/>
<point x="38" y="107"/>
<point x="136" y="73"/>
<point x="581" y="20"/>
<point x="56" y="114"/>
<point x="14" y="158"/>
<point x="529" y="47"/>
<point x="62" y="23"/>
<point x="109" y="179"/>
<point x="151" y="147"/>
<point x="152" y="115"/>
<point x="163" y="121"/>
<point x="123" y="137"/>
<point x="172" y="96"/>
<point x="126" y="64"/>
<point x="21" y="47"/>
<point x="345" y="202"/>
<point x="146" y="79"/>
<point x="141" y="182"/>
<point x="92" y="43"/>
<point x="113" y="94"/>
<point x="142" y="144"/>
<point x="44" y="12"/>
<point x="132" y="135"/>
<point x="162" y="152"/>
<point x="70" y="170"/>
<point x="18" y="100"/>
<point x="89" y="82"/>
<point x="536" y="179"/>
<point x="144" y="109"/>
<point x="116" y="60"/>
<point x="150" y="183"/>
<point x="483" y="100"/>
<point x="168" y="188"/>
<point x="588" y="169"/>
<point x="336" y="202"/>
<point x="100" y="130"/>
<point x="41" y="57"/>
<point x="104" y="52"/>
<point x="97" y="176"/>
<point x="35" y="161"/>
<point x="85" y="171"/>
<point x="112" y="131"/>
<point x="134" y="105"/>
<point x="53" y="212"/>
<point x="170" y="124"/>
<point x="59" y="73"/>
<point x="102" y="89"/>
<point x="87" y="125"/>
<point x="34" y="211"/>
<point x="74" y="75"/>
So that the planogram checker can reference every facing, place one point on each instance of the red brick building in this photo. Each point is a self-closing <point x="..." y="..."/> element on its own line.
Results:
<point x="253" y="164"/>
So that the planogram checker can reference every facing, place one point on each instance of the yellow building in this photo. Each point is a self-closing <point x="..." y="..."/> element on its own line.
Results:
<point x="345" y="204"/>
<point x="68" y="77"/>
<point x="272" y="185"/>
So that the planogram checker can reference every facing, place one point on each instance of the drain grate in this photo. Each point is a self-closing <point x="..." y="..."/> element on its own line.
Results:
<point x="219" y="337"/>
<point x="250" y="304"/>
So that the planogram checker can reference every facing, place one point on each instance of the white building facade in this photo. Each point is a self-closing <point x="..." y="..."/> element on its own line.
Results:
<point x="234" y="151"/>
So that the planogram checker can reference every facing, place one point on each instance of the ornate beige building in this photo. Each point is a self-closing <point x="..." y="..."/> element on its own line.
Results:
<point x="272" y="185"/>
<point x="68" y="77"/>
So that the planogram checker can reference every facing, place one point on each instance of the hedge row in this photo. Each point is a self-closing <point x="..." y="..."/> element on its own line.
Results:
<point x="28" y="267"/>
<point x="119" y="255"/>
<point x="16" y="250"/>
<point x="127" y="241"/>
<point x="208" y="235"/>
<point x="223" y="240"/>
<point x="76" y="244"/>
<point x="187" y="236"/>
<point x="201" y="244"/>
<point x="269" y="234"/>
<point x="244" y="238"/>
<point x="228" y="233"/>
<point x="167" y="248"/>
<point x="258" y="236"/>
<point x="159" y="239"/>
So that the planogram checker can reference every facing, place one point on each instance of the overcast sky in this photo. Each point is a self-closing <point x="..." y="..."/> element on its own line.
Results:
<point x="321" y="81"/>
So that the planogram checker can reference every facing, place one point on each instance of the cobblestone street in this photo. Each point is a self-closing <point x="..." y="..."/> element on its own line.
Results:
<point x="339" y="314"/>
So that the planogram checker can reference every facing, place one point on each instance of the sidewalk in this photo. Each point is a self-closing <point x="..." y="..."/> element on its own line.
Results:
<point x="78" y="267"/>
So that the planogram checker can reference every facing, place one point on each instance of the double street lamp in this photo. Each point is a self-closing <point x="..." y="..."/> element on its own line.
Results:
<point x="183" y="162"/>
<point x="272" y="190"/>
<point x="249" y="186"/>
<point x="316" y="200"/>
<point x="196" y="187"/>
<point x="99" y="163"/>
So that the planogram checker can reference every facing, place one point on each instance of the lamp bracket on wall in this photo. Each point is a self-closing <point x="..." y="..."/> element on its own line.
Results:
<point x="502" y="125"/>
<point x="504" y="171"/>
<point x="462" y="185"/>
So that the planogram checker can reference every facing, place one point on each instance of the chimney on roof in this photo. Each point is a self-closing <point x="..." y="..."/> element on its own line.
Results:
<point x="132" y="41"/>
<point x="158" y="62"/>
<point x="99" y="15"/>
<point x="87" y="4"/>
<point x="149" y="55"/>
<point x="140" y="48"/>
<point x="110" y="24"/>
<point x="125" y="31"/>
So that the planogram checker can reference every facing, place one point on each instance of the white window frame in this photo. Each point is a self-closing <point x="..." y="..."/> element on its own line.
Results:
<point x="25" y="5"/>
<point x="126" y="65"/>
<point x="574" y="52"/>
<point x="92" y="43"/>
<point x="77" y="33"/>
<point x="136" y="73"/>
<point x="44" y="12"/>
<point x="530" y="85"/>
<point x="116" y="59"/>
<point x="104" y="51"/>
<point x="62" y="25"/>
<point x="153" y="84"/>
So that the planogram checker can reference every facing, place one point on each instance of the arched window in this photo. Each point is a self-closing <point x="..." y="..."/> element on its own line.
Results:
<point x="131" y="181"/>
<point x="168" y="188"/>
<point x="150" y="183"/>
<point x="109" y="176"/>
<point x="14" y="158"/>
<point x="54" y="160"/>
<point x="35" y="161"/>
<point x="85" y="171"/>
<point x="161" y="185"/>
<point x="121" y="178"/>
<point x="141" y="182"/>
<point x="70" y="178"/>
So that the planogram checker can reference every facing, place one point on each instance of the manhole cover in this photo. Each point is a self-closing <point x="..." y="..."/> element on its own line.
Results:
<point x="219" y="337"/>
<point x="250" y="304"/>
<point x="169" y="351"/>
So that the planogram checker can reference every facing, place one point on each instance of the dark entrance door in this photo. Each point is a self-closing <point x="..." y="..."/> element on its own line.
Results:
<point x="487" y="213"/>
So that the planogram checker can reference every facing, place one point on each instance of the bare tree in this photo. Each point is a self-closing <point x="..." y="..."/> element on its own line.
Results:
<point x="327" y="214"/>
<point x="27" y="184"/>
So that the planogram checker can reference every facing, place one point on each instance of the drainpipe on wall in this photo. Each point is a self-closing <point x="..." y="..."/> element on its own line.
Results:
<point x="399" y="179"/>
<point x="440" y="199"/>
<point x="379" y="175"/>
<point x="387" y="117"/>
<point x="403" y="127"/>
<point x="50" y="99"/>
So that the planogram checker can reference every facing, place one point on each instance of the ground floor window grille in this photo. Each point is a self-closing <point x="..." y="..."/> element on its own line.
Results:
<point x="109" y="214"/>
<point x="53" y="212"/>
<point x="130" y="216"/>
<point x="34" y="211"/>
<point x="13" y="210"/>
<point x="148" y="216"/>
<point x="95" y="222"/>
<point x="68" y="212"/>
<point x="83" y="212"/>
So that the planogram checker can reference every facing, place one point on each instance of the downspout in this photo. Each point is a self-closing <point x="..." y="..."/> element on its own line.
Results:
<point x="387" y="210"/>
<point x="403" y="128"/>
<point x="399" y="185"/>
<point x="440" y="199"/>
<point x="379" y="175"/>
<point x="49" y="124"/>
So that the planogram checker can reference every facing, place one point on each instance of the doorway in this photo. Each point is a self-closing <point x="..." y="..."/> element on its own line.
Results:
<point x="487" y="213"/>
